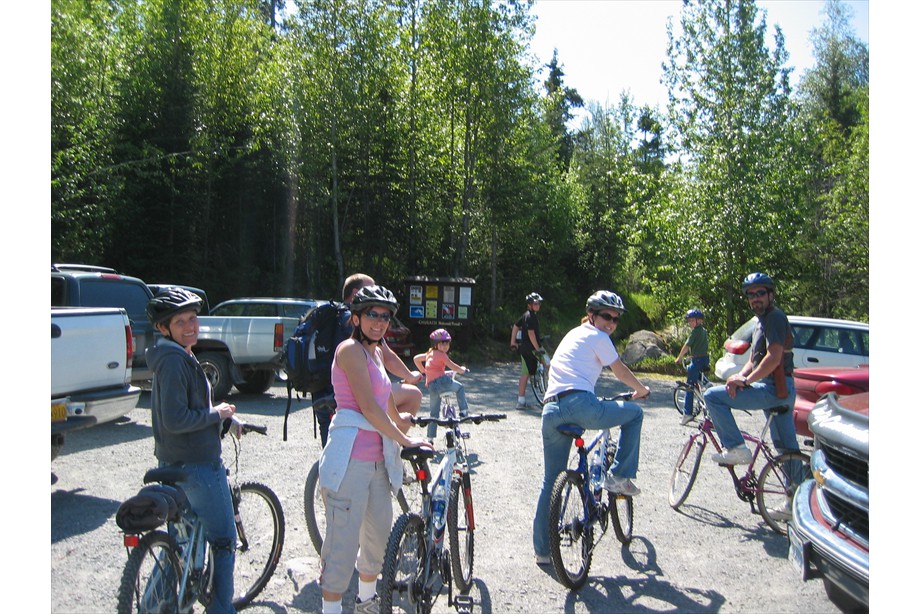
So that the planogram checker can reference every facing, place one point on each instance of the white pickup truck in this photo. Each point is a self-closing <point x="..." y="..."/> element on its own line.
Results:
<point x="91" y="356"/>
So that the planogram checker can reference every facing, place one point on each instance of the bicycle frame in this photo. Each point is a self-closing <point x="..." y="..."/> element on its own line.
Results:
<point x="594" y="509"/>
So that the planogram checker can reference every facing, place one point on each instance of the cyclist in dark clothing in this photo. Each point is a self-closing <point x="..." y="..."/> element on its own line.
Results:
<point x="525" y="338"/>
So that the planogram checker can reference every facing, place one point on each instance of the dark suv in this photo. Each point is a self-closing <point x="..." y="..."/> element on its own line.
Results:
<point x="829" y="533"/>
<point x="82" y="285"/>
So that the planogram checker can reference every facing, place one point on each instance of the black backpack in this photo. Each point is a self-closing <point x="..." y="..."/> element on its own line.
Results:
<point x="307" y="355"/>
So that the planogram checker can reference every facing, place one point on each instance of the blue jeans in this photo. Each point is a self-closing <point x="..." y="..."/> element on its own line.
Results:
<point x="436" y="388"/>
<point x="209" y="495"/>
<point x="586" y="410"/>
<point x="694" y="374"/>
<point x="759" y="395"/>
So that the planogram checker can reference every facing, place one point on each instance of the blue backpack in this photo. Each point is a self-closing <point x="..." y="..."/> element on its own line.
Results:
<point x="307" y="355"/>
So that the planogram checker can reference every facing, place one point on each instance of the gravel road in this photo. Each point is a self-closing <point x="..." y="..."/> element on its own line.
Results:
<point x="713" y="556"/>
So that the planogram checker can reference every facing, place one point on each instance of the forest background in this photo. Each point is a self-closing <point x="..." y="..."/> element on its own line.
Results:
<point x="245" y="148"/>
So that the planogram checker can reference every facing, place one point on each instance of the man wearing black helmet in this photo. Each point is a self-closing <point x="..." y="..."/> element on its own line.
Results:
<point x="186" y="429"/>
<point x="525" y="338"/>
<point x="697" y="346"/>
<point x="765" y="381"/>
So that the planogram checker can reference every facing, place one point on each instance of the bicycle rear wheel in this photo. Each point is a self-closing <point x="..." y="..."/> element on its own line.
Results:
<point x="460" y="530"/>
<point x="685" y="470"/>
<point x="776" y="486"/>
<point x="260" y="539"/>
<point x="149" y="581"/>
<point x="403" y="582"/>
<point x="621" y="514"/>
<point x="570" y="536"/>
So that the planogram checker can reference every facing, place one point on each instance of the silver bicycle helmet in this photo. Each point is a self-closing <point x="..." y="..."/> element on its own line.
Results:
<point x="533" y="297"/>
<point x="605" y="299"/>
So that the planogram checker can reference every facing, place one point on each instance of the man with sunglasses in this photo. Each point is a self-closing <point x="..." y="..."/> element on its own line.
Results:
<point x="764" y="382"/>
<point x="579" y="360"/>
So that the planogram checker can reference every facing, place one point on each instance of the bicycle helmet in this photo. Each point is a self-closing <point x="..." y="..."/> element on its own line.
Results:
<point x="169" y="302"/>
<point x="605" y="299"/>
<point x="439" y="335"/>
<point x="694" y="313"/>
<point x="757" y="279"/>
<point x="374" y="296"/>
<point x="533" y="297"/>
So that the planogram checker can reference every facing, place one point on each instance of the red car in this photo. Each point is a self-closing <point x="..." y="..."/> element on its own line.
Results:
<point x="812" y="383"/>
<point x="399" y="339"/>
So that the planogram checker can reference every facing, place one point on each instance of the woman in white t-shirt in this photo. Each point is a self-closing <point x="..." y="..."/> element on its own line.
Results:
<point x="570" y="399"/>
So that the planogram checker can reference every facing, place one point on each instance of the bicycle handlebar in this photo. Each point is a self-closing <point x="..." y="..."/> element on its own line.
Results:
<point x="474" y="418"/>
<point x="622" y="396"/>
<point x="244" y="426"/>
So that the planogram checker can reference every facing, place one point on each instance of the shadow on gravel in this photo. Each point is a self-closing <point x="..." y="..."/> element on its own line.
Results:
<point x="73" y="513"/>
<point x="622" y="594"/>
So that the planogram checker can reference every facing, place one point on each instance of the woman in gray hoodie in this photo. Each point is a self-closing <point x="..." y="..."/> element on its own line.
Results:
<point x="186" y="429"/>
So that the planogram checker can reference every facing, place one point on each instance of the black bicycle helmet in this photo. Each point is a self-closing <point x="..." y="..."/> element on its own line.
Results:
<point x="694" y="313"/>
<point x="605" y="299"/>
<point x="171" y="301"/>
<point x="533" y="297"/>
<point x="757" y="279"/>
<point x="371" y="296"/>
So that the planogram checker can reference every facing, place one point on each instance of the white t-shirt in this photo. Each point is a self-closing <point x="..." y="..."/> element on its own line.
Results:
<point x="579" y="360"/>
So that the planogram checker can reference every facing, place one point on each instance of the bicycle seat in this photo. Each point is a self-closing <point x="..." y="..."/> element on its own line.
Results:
<point x="175" y="496"/>
<point x="165" y="475"/>
<point x="417" y="453"/>
<point x="571" y="430"/>
<point x="778" y="410"/>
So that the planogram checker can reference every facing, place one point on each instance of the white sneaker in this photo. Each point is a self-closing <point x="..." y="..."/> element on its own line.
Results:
<point x="739" y="455"/>
<point x="521" y="406"/>
<point x="620" y="486"/>
<point x="371" y="606"/>
<point x="543" y="559"/>
<point x="686" y="419"/>
<point x="782" y="513"/>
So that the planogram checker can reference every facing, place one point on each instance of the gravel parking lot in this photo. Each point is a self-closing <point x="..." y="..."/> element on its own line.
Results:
<point x="712" y="556"/>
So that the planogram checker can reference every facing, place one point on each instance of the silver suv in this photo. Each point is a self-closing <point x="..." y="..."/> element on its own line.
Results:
<point x="817" y="342"/>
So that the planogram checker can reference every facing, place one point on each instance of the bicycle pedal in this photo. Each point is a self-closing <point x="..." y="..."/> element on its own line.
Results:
<point x="464" y="604"/>
<point x="465" y="435"/>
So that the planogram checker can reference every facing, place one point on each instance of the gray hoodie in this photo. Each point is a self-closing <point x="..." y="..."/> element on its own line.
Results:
<point x="185" y="427"/>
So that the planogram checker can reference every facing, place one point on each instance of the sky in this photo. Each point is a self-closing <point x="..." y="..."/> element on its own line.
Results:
<point x="608" y="46"/>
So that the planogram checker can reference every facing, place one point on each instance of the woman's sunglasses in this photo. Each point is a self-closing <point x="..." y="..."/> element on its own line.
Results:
<point x="609" y="317"/>
<point x="384" y="316"/>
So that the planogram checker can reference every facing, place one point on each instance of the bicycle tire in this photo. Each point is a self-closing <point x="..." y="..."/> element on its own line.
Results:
<point x="260" y="540"/>
<point x="680" y="397"/>
<point x="404" y="585"/>
<point x="150" y="578"/>
<point x="461" y="531"/>
<point x="685" y="470"/>
<point x="776" y="486"/>
<point x="314" y="509"/>
<point x="538" y="384"/>
<point x="621" y="515"/>
<point x="571" y="541"/>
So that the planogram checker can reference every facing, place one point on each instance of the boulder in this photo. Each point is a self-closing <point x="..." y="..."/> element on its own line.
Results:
<point x="641" y="345"/>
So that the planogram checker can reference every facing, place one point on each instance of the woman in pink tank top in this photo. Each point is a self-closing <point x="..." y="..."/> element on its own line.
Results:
<point x="357" y="464"/>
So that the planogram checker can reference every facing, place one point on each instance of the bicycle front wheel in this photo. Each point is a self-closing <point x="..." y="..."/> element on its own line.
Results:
<point x="538" y="384"/>
<point x="685" y="470"/>
<point x="570" y="535"/>
<point x="776" y="486"/>
<point x="621" y="515"/>
<point x="149" y="581"/>
<point x="460" y="530"/>
<point x="403" y="583"/>
<point x="314" y="509"/>
<point x="259" y="540"/>
<point x="680" y="397"/>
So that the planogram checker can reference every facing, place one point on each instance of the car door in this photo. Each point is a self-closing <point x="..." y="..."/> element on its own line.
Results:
<point x="830" y="346"/>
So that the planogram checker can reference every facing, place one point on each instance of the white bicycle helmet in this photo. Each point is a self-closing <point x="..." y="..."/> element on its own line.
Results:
<point x="604" y="299"/>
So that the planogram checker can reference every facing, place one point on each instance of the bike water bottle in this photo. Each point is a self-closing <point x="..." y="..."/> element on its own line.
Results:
<point x="439" y="504"/>
<point x="597" y="468"/>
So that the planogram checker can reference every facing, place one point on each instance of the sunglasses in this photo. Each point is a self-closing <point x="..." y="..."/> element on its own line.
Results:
<point x="384" y="316"/>
<point x="609" y="317"/>
<point x="756" y="294"/>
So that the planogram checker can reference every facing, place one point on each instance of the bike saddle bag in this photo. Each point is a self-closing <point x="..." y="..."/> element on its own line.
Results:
<point x="177" y="499"/>
<point x="142" y="512"/>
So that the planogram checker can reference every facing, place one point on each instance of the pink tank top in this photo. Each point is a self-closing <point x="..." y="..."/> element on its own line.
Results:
<point x="368" y="445"/>
<point x="435" y="364"/>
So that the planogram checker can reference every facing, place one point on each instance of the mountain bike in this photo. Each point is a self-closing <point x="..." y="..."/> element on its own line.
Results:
<point x="540" y="379"/>
<point x="577" y="506"/>
<point x="417" y="567"/>
<point x="697" y="389"/>
<point x="169" y="571"/>
<point x="772" y="489"/>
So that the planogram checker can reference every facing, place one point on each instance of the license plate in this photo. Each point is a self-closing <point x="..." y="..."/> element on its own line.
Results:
<point x="58" y="411"/>
<point x="797" y="554"/>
